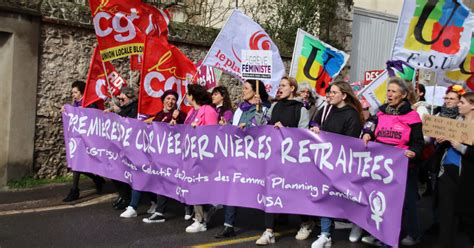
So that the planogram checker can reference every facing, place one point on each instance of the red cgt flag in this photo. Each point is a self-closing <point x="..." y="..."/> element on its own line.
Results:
<point x="121" y="26"/>
<point x="136" y="62"/>
<point x="97" y="90"/>
<point x="164" y="67"/>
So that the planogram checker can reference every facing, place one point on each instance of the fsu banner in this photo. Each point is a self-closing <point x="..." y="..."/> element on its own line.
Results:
<point x="316" y="62"/>
<point x="164" y="67"/>
<point x="287" y="170"/>
<point x="121" y="26"/>
<point x="97" y="90"/>
<point x="433" y="34"/>
<point x="241" y="33"/>
<point x="463" y="75"/>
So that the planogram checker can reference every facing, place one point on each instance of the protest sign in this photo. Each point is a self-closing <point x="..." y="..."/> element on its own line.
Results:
<point x="376" y="92"/>
<point x="434" y="35"/>
<point x="287" y="170"/>
<point x="436" y="127"/>
<point x="256" y="64"/>
<point x="207" y="76"/>
<point x="370" y="76"/>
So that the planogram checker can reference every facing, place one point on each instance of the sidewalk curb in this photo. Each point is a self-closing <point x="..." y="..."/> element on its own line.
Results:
<point x="93" y="201"/>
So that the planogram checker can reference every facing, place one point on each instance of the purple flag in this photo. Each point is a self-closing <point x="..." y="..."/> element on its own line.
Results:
<point x="285" y="170"/>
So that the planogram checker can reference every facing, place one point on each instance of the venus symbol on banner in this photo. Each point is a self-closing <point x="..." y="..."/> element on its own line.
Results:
<point x="377" y="206"/>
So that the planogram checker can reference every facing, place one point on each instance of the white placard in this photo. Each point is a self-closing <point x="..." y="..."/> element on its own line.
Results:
<point x="256" y="64"/>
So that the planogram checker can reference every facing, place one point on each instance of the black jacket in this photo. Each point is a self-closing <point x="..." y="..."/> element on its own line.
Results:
<point x="130" y="110"/>
<point x="288" y="112"/>
<point x="343" y="121"/>
<point x="464" y="201"/>
<point x="416" y="142"/>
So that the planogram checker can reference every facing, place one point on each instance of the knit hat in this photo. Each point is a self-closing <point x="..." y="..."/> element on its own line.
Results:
<point x="169" y="92"/>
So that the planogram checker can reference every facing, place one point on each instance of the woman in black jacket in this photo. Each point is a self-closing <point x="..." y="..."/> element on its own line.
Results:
<point x="455" y="163"/>
<point x="344" y="118"/>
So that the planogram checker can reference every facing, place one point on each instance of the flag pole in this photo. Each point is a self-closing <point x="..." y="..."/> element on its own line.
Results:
<point x="434" y="92"/>
<point x="257" y="88"/>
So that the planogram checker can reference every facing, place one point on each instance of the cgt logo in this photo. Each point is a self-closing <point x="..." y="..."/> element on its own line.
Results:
<point x="120" y="24"/>
<point x="173" y="81"/>
<point x="436" y="25"/>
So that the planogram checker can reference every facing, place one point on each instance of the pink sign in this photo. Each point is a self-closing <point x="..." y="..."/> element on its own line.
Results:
<point x="207" y="76"/>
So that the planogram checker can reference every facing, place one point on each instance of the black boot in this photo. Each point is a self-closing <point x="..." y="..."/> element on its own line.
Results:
<point x="72" y="196"/>
<point x="225" y="233"/>
<point x="99" y="184"/>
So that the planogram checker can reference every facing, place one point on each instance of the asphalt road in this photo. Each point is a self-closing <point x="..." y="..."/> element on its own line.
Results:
<point x="100" y="226"/>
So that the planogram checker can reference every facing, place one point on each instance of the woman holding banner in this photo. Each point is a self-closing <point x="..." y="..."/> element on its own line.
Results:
<point x="244" y="116"/>
<point x="169" y="114"/>
<point x="287" y="112"/>
<point x="77" y="92"/>
<point x="454" y="162"/>
<point x="345" y="118"/>
<point x="408" y="135"/>
<point x="201" y="114"/>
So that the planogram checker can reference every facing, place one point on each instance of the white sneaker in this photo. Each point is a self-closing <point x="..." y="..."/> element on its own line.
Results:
<point x="266" y="239"/>
<point x="322" y="241"/>
<point x="187" y="217"/>
<point x="356" y="233"/>
<point x="129" y="213"/>
<point x="371" y="240"/>
<point x="305" y="231"/>
<point x="152" y="208"/>
<point x="196" y="227"/>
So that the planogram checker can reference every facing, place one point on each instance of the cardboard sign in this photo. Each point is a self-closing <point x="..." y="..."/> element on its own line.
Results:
<point x="256" y="64"/>
<point x="461" y="131"/>
<point x="370" y="76"/>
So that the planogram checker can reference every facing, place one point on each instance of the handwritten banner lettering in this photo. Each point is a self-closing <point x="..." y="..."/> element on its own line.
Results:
<point x="284" y="170"/>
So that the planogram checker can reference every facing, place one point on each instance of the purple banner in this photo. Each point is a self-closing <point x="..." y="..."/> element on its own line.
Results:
<point x="285" y="170"/>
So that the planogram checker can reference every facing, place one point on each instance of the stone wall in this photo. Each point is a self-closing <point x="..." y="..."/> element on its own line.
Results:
<point x="64" y="57"/>
<point x="66" y="44"/>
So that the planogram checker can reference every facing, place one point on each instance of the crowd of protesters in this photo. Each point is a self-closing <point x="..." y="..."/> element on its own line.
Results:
<point x="443" y="165"/>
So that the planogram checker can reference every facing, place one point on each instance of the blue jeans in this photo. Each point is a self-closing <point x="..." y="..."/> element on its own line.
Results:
<point x="135" y="199"/>
<point x="229" y="215"/>
<point x="326" y="226"/>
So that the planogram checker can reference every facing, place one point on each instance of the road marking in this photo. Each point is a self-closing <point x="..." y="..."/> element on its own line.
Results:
<point x="240" y="240"/>
<point x="60" y="207"/>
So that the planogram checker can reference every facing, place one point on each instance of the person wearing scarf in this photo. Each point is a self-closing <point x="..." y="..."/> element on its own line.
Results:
<point x="286" y="112"/>
<point x="397" y="124"/>
<point x="245" y="116"/>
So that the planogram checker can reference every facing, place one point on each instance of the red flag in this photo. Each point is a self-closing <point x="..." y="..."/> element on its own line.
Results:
<point x="164" y="67"/>
<point x="136" y="62"/>
<point x="121" y="26"/>
<point x="96" y="85"/>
